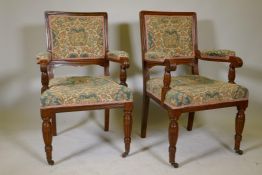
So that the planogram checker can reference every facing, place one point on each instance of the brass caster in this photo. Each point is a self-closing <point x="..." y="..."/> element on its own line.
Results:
<point x="51" y="162"/>
<point x="175" y="165"/>
<point x="124" y="154"/>
<point x="239" y="151"/>
<point x="143" y="135"/>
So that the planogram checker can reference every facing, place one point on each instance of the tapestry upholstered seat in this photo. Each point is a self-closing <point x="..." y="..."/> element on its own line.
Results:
<point x="169" y="39"/>
<point x="195" y="90"/>
<point x="81" y="39"/>
<point x="84" y="90"/>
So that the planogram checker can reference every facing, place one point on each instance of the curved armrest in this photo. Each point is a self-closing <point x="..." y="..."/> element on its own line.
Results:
<point x="218" y="53"/>
<point x="43" y="58"/>
<point x="223" y="56"/>
<point x="118" y="56"/>
<point x="122" y="58"/>
<point x="160" y="58"/>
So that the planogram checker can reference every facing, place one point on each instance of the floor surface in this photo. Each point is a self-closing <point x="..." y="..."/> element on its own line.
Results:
<point x="82" y="147"/>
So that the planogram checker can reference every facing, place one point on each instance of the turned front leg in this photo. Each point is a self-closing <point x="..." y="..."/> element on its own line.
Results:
<point x="127" y="127"/>
<point x="173" y="135"/>
<point x="239" y="126"/>
<point x="47" y="135"/>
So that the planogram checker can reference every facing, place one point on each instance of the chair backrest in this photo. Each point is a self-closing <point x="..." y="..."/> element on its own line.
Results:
<point x="172" y="33"/>
<point x="77" y="36"/>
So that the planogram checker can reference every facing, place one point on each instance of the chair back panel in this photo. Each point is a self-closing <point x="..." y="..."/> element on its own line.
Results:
<point x="76" y="35"/>
<point x="172" y="33"/>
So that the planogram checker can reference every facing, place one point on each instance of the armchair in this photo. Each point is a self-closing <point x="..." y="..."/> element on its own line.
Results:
<point x="81" y="39"/>
<point x="169" y="39"/>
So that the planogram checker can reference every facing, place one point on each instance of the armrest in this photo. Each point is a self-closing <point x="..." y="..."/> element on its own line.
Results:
<point x="118" y="56"/>
<point x="223" y="56"/>
<point x="218" y="53"/>
<point x="160" y="58"/>
<point x="43" y="58"/>
<point x="122" y="58"/>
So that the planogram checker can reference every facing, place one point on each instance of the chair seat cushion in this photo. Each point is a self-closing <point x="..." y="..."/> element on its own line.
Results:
<point x="196" y="90"/>
<point x="84" y="90"/>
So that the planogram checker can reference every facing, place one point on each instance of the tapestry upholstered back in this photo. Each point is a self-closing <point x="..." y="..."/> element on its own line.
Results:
<point x="169" y="35"/>
<point x="77" y="36"/>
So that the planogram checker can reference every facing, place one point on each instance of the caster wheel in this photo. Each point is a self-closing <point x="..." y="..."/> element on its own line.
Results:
<point x="240" y="152"/>
<point x="124" y="154"/>
<point x="175" y="165"/>
<point x="51" y="162"/>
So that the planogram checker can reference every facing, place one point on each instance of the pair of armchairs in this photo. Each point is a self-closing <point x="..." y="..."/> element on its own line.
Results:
<point x="168" y="39"/>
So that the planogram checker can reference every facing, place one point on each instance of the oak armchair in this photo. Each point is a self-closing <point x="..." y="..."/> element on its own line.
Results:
<point x="169" y="39"/>
<point x="81" y="39"/>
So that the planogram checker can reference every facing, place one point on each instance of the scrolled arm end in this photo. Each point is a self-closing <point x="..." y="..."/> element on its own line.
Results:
<point x="236" y="61"/>
<point x="118" y="56"/>
<point x="43" y="58"/>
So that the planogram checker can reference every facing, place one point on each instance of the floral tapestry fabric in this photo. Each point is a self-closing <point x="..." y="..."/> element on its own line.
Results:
<point x="84" y="90"/>
<point x="117" y="54"/>
<point x="156" y="56"/>
<point x="218" y="52"/>
<point x="171" y="35"/>
<point x="196" y="90"/>
<point x="77" y="36"/>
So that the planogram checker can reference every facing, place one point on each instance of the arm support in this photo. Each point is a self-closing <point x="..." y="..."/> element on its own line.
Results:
<point x="223" y="56"/>
<point x="43" y="60"/>
<point x="170" y="63"/>
<point x="122" y="58"/>
<point x="169" y="66"/>
<point x="160" y="59"/>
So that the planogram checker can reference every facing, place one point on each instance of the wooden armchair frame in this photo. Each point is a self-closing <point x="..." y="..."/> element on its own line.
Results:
<point x="48" y="63"/>
<point x="170" y="64"/>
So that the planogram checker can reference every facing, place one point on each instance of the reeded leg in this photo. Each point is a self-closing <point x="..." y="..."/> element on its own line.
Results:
<point x="106" y="127"/>
<point x="47" y="135"/>
<point x="145" y="115"/>
<point x="127" y="127"/>
<point x="239" y="126"/>
<point x="173" y="135"/>
<point x="190" y="121"/>
<point x="54" y="131"/>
